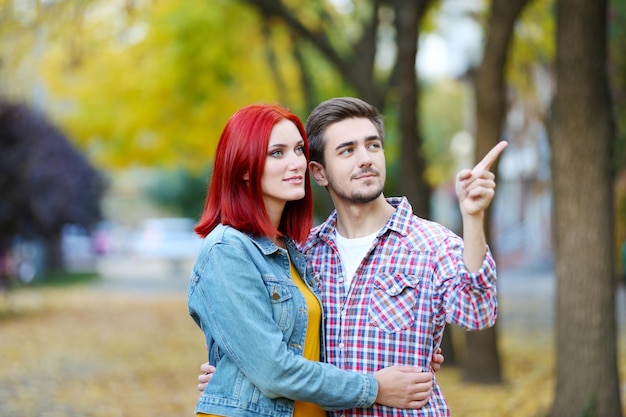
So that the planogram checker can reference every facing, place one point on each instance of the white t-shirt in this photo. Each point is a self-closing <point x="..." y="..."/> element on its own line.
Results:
<point x="352" y="252"/>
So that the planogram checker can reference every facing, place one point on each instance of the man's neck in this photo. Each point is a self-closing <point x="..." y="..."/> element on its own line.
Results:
<point x="358" y="220"/>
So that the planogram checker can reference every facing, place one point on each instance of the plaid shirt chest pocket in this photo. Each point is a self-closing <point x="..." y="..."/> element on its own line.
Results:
<point x="393" y="301"/>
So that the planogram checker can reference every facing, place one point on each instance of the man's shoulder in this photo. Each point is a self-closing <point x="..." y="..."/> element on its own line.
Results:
<point x="319" y="233"/>
<point x="314" y="238"/>
<point x="417" y="232"/>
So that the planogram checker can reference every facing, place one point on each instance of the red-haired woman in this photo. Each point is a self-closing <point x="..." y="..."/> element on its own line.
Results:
<point x="250" y="292"/>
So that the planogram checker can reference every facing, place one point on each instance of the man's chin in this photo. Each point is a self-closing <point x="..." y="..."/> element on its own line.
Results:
<point x="364" y="198"/>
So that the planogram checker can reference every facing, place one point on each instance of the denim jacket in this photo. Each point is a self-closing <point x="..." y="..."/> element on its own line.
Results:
<point x="254" y="319"/>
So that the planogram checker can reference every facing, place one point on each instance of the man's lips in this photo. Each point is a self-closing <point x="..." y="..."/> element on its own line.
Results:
<point x="365" y="175"/>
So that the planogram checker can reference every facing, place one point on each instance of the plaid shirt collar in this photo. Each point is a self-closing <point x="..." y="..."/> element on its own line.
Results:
<point x="399" y="222"/>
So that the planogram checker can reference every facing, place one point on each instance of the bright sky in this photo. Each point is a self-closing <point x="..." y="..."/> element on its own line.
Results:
<point x="455" y="44"/>
<point x="451" y="48"/>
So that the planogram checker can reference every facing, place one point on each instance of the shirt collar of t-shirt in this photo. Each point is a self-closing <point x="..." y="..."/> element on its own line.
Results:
<point x="352" y="252"/>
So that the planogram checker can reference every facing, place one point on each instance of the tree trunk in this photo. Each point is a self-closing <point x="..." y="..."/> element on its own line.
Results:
<point x="482" y="363"/>
<point x="54" y="253"/>
<point x="6" y="273"/>
<point x="412" y="182"/>
<point x="582" y="138"/>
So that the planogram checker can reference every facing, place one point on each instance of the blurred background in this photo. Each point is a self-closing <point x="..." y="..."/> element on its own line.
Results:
<point x="110" y="112"/>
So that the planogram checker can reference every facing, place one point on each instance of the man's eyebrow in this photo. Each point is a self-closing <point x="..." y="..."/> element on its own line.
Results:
<point x="353" y="142"/>
<point x="371" y="138"/>
<point x="345" y="144"/>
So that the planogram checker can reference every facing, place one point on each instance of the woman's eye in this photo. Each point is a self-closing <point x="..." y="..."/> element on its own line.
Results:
<point x="276" y="153"/>
<point x="300" y="150"/>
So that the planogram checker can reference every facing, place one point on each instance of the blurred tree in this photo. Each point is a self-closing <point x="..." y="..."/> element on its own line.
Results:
<point x="482" y="362"/>
<point x="44" y="182"/>
<point x="442" y="116"/>
<point x="24" y="26"/>
<point x="127" y="79"/>
<point x="582" y="139"/>
<point x="617" y="73"/>
<point x="180" y="191"/>
<point x="617" y="76"/>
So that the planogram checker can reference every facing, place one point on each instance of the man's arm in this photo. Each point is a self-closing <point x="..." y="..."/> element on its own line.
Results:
<point x="475" y="190"/>
<point x="204" y="378"/>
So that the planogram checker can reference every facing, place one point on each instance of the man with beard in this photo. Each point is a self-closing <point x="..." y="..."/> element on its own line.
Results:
<point x="390" y="280"/>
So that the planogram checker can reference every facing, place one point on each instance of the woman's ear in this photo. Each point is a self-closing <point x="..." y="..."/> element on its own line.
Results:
<point x="246" y="176"/>
<point x="318" y="173"/>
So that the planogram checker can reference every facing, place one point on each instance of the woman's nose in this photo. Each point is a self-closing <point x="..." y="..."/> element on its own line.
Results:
<point x="297" y="161"/>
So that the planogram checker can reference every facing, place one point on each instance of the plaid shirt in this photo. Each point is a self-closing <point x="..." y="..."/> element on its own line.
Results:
<point x="409" y="285"/>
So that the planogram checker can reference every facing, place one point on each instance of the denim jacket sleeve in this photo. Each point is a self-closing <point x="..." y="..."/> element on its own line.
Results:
<point x="229" y="300"/>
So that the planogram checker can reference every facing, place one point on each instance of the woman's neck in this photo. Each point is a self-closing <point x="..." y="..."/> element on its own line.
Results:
<point x="279" y="241"/>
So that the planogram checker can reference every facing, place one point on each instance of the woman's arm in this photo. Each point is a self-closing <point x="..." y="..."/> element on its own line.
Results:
<point x="234" y="282"/>
<point x="423" y="390"/>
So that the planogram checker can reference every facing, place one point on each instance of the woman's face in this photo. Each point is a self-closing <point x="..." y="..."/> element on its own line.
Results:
<point x="285" y="166"/>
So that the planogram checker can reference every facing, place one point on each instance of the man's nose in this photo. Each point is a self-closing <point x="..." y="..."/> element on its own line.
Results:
<point x="363" y="156"/>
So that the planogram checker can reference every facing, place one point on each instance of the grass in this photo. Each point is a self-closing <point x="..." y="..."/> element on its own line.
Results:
<point x="82" y="350"/>
<point x="62" y="279"/>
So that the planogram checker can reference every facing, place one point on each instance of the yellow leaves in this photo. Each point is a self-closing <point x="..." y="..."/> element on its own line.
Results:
<point x="94" y="353"/>
<point x="163" y="98"/>
<point x="533" y="45"/>
<point x="527" y="391"/>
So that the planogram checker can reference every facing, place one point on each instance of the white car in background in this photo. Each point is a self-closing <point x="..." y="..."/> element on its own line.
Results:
<point x="170" y="238"/>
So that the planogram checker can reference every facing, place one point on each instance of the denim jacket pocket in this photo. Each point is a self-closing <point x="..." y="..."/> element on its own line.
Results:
<point x="392" y="302"/>
<point x="281" y="294"/>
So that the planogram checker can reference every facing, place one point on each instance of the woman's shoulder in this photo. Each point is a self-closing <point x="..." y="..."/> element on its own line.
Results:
<point x="224" y="234"/>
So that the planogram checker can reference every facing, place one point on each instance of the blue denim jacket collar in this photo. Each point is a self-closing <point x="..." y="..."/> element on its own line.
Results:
<point x="267" y="247"/>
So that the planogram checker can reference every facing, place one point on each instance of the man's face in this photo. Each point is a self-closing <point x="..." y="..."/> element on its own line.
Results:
<point x="355" y="162"/>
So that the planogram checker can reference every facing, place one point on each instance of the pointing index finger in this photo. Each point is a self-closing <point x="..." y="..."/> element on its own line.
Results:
<point x="491" y="157"/>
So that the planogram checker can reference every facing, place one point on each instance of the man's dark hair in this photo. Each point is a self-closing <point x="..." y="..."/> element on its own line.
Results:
<point x="333" y="111"/>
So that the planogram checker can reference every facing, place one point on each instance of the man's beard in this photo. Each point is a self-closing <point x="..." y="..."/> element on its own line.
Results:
<point x="357" y="197"/>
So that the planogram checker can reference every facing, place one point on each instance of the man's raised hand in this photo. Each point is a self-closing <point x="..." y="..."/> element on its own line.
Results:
<point x="475" y="188"/>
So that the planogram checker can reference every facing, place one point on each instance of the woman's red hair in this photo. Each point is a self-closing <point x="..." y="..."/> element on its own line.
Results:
<point x="231" y="200"/>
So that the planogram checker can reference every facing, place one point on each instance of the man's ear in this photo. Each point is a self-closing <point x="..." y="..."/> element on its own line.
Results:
<point x="318" y="173"/>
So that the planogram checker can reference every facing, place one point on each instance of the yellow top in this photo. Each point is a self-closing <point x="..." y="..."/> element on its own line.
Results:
<point x="311" y="345"/>
<point x="311" y="342"/>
